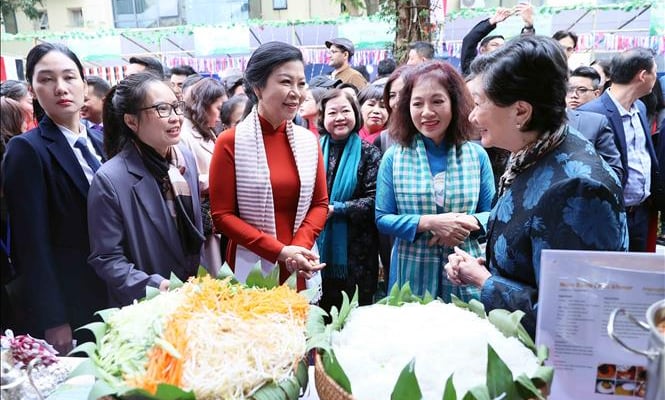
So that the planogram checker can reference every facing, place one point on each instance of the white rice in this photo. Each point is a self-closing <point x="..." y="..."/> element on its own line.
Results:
<point x="378" y="341"/>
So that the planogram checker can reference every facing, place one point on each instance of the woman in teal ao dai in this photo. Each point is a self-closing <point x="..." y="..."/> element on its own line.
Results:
<point x="434" y="188"/>
<point x="556" y="193"/>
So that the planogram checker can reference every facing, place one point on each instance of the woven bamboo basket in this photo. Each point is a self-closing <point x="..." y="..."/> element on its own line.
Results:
<point x="327" y="388"/>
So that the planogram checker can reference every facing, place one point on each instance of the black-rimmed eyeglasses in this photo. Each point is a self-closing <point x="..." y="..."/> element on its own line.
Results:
<point x="164" y="110"/>
<point x="579" y="91"/>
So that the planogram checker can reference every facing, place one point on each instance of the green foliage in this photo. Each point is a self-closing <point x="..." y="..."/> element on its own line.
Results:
<point x="398" y="297"/>
<point x="407" y="386"/>
<point x="256" y="278"/>
<point x="449" y="393"/>
<point x="499" y="377"/>
<point x="27" y="7"/>
<point x="335" y="371"/>
<point x="509" y="324"/>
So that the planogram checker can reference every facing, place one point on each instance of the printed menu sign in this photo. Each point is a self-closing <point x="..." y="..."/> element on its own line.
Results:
<point x="578" y="292"/>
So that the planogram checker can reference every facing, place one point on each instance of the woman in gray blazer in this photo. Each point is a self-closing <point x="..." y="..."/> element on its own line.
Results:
<point x="144" y="206"/>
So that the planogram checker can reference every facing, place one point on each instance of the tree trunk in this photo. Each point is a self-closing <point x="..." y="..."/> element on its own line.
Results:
<point x="413" y="24"/>
<point x="372" y="6"/>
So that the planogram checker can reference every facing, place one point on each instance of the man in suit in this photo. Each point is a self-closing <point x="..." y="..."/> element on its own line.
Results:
<point x="633" y="76"/>
<point x="596" y="128"/>
<point x="583" y="87"/>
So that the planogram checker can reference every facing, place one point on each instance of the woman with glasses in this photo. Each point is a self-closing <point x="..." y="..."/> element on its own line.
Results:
<point x="144" y="205"/>
<point x="267" y="181"/>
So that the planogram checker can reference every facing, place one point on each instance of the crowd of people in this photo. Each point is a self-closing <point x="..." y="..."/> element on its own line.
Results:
<point x="453" y="182"/>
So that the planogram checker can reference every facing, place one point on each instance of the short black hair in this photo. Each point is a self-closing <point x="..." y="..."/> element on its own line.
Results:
<point x="489" y="38"/>
<point x="182" y="70"/>
<point x="558" y="35"/>
<point x="533" y="69"/>
<point x="333" y="94"/>
<point x="348" y="85"/>
<point x="151" y="64"/>
<point x="587" y="72"/>
<point x="629" y="63"/>
<point x="99" y="86"/>
<point x="386" y="67"/>
<point x="424" y="49"/>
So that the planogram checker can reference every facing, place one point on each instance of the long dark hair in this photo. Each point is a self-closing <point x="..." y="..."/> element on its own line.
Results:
<point x="127" y="97"/>
<point x="35" y="55"/>
<point x="201" y="96"/>
<point x="268" y="57"/>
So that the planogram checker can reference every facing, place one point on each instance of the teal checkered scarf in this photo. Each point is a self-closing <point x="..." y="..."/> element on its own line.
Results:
<point x="418" y="263"/>
<point x="333" y="241"/>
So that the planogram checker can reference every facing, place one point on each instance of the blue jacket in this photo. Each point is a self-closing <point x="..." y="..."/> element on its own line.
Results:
<point x="597" y="129"/>
<point x="46" y="192"/>
<point x="604" y="105"/>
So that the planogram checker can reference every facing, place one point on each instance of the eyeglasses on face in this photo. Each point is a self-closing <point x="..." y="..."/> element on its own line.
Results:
<point x="164" y="110"/>
<point x="579" y="91"/>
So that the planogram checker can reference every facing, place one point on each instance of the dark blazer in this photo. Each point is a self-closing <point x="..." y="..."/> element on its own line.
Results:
<point x="604" y="105"/>
<point x="470" y="42"/>
<point x="133" y="238"/>
<point x="596" y="128"/>
<point x="46" y="192"/>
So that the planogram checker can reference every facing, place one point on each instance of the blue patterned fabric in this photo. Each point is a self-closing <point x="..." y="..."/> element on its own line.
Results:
<point x="568" y="200"/>
<point x="333" y="240"/>
<point x="405" y="192"/>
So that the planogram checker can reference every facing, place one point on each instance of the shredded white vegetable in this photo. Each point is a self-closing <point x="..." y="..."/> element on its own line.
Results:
<point x="378" y="341"/>
<point x="231" y="358"/>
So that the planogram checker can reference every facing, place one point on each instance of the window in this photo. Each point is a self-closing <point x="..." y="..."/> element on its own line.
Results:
<point x="279" y="5"/>
<point x="75" y="17"/>
<point x="41" y="23"/>
<point x="124" y="7"/>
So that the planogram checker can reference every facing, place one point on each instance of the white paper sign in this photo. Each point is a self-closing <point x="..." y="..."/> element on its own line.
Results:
<point x="578" y="292"/>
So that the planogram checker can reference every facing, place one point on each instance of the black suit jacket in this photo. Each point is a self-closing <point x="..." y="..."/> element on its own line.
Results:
<point x="46" y="193"/>
<point x="604" y="105"/>
<point x="596" y="128"/>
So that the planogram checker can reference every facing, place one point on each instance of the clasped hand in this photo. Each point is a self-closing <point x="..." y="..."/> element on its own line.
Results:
<point x="450" y="229"/>
<point x="300" y="259"/>
<point x="464" y="269"/>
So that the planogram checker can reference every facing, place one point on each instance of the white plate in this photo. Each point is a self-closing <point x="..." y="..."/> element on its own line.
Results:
<point x="601" y="389"/>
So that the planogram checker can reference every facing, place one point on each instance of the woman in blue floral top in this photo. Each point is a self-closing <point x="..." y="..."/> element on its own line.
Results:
<point x="556" y="193"/>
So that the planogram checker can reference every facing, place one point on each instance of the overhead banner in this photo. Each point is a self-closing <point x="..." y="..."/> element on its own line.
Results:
<point x="96" y="49"/>
<point x="211" y="41"/>
<point x="376" y="34"/>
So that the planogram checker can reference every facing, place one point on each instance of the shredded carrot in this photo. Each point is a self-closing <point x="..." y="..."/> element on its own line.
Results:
<point x="211" y="295"/>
